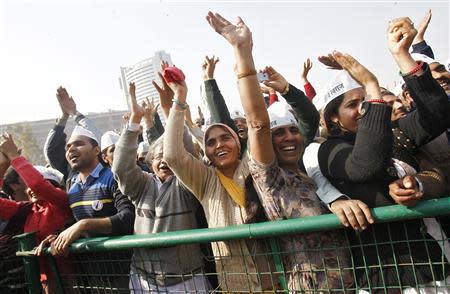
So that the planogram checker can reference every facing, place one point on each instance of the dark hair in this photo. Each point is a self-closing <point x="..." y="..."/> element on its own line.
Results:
<point x="55" y="184"/>
<point x="94" y="144"/>
<point x="330" y="111"/>
<point x="11" y="177"/>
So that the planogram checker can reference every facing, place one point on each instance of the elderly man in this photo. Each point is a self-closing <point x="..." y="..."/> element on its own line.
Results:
<point x="163" y="204"/>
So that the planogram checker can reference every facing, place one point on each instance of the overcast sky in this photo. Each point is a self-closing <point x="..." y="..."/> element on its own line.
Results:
<point x="82" y="44"/>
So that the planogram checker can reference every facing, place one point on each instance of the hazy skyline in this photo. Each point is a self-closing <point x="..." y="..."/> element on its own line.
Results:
<point x="81" y="45"/>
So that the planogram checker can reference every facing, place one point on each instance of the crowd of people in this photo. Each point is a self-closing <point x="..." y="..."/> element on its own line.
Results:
<point x="345" y="149"/>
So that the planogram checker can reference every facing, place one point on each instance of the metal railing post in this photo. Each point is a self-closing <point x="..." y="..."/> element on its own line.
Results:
<point x="26" y="243"/>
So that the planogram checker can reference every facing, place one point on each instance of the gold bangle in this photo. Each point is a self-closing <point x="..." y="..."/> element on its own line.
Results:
<point x="246" y="74"/>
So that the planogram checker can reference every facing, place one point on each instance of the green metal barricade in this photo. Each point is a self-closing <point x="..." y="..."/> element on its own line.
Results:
<point x="102" y="265"/>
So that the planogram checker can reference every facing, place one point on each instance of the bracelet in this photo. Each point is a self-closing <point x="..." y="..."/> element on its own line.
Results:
<point x="286" y="90"/>
<point x="182" y="105"/>
<point x="376" y="101"/>
<point x="246" y="74"/>
<point x="413" y="71"/>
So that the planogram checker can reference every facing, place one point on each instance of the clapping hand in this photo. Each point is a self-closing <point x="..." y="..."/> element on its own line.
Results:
<point x="400" y="33"/>
<point x="66" y="102"/>
<point x="329" y="61"/>
<point x="361" y="74"/>
<point x="422" y="27"/>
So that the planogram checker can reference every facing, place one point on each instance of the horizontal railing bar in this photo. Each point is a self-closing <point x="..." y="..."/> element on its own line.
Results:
<point x="430" y="208"/>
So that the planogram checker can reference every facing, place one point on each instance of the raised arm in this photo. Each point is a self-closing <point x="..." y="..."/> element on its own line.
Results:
<point x="214" y="99"/>
<point x="307" y="114"/>
<point x="419" y="45"/>
<point x="8" y="208"/>
<point x="194" y="129"/>
<point x="165" y="92"/>
<point x="32" y="178"/>
<point x="68" y="105"/>
<point x="309" y="89"/>
<point x="4" y="164"/>
<point x="55" y="144"/>
<point x="432" y="116"/>
<point x="130" y="178"/>
<point x="240" y="38"/>
<point x="372" y="150"/>
<point x="151" y="120"/>
<point x="188" y="169"/>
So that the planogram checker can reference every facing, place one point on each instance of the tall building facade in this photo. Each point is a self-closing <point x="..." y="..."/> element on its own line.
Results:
<point x="142" y="74"/>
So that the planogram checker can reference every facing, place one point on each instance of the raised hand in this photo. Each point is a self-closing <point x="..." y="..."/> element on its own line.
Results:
<point x="165" y="92"/>
<point x="400" y="33"/>
<point x="66" y="102"/>
<point x="421" y="29"/>
<point x="209" y="65"/>
<point x="405" y="191"/>
<point x="137" y="111"/>
<point x="200" y="113"/>
<point x="149" y="108"/>
<point x="237" y="35"/>
<point x="200" y="120"/>
<point x="179" y="88"/>
<point x="329" y="62"/>
<point x="276" y="81"/>
<point x="307" y="65"/>
<point x="361" y="74"/>
<point x="8" y="147"/>
<point x="126" y="117"/>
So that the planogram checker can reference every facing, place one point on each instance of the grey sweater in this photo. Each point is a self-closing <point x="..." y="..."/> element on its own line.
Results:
<point x="170" y="208"/>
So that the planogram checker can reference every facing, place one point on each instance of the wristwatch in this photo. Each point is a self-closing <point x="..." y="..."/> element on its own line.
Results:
<point x="363" y="108"/>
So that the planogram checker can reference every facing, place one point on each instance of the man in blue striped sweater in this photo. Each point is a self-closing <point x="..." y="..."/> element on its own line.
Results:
<point x="96" y="202"/>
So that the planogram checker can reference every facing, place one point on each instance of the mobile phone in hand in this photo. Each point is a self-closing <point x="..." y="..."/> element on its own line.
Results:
<point x="262" y="76"/>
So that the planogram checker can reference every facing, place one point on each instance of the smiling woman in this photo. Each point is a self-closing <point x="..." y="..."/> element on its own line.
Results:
<point x="220" y="188"/>
<point x="276" y="146"/>
<point x="222" y="147"/>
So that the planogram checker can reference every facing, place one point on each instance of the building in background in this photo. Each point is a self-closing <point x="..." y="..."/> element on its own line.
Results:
<point x="142" y="74"/>
<point x="36" y="132"/>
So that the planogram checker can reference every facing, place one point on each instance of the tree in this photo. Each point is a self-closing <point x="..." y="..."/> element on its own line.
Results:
<point x="25" y="140"/>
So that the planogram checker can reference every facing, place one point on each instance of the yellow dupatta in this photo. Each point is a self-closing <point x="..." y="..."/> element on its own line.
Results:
<point x="236" y="192"/>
